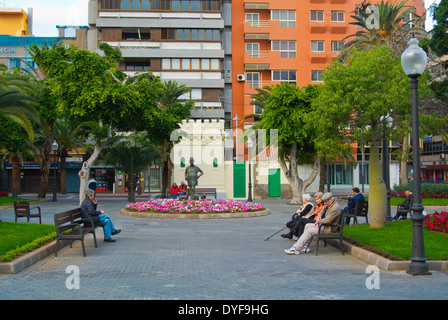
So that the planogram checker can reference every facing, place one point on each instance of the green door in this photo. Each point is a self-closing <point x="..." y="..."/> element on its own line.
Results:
<point x="239" y="179"/>
<point x="274" y="183"/>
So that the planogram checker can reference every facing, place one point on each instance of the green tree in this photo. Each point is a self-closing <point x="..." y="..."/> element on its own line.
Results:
<point x="162" y="121"/>
<point x="144" y="154"/>
<point x="284" y="110"/>
<point x="350" y="108"/>
<point x="91" y="90"/>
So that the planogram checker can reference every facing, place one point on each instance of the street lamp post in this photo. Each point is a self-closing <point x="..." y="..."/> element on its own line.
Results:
<point x="236" y="138"/>
<point x="54" y="147"/>
<point x="249" y="148"/>
<point x="413" y="61"/>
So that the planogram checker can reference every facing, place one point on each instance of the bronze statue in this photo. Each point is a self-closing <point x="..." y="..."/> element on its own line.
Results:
<point x="192" y="174"/>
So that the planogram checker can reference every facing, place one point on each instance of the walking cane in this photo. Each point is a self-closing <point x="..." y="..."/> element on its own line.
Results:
<point x="274" y="234"/>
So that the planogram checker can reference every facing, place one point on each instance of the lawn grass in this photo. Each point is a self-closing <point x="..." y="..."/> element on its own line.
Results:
<point x="394" y="241"/>
<point x="394" y="201"/>
<point x="4" y="201"/>
<point x="17" y="238"/>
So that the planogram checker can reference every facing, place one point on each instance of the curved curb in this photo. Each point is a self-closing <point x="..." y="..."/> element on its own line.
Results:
<point x="150" y="215"/>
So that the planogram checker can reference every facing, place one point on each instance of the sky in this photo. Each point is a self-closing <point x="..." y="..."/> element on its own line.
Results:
<point x="47" y="14"/>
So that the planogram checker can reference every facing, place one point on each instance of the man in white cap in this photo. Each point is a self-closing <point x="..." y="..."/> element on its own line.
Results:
<point x="329" y="216"/>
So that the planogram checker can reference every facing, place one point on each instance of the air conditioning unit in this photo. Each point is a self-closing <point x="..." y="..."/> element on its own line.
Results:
<point x="241" y="77"/>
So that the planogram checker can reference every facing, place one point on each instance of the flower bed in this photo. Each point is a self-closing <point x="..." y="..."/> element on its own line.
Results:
<point x="173" y="206"/>
<point x="436" y="221"/>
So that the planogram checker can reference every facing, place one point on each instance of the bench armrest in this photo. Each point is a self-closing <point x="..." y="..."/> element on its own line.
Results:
<point x="38" y="208"/>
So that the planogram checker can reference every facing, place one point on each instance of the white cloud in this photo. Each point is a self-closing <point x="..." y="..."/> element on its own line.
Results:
<point x="47" y="14"/>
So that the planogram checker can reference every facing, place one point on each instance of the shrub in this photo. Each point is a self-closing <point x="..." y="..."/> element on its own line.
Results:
<point x="429" y="190"/>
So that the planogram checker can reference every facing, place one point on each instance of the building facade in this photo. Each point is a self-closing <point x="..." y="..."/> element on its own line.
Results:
<point x="185" y="41"/>
<point x="293" y="41"/>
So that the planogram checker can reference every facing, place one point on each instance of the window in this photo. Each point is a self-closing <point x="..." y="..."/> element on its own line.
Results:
<point x="175" y="5"/>
<point x="253" y="49"/>
<point x="145" y="4"/>
<point x="137" y="65"/>
<point x="254" y="79"/>
<point x="317" y="76"/>
<point x="191" y="64"/>
<point x="317" y="16"/>
<point x="191" y="34"/>
<point x="284" y="76"/>
<point x="336" y="46"/>
<point x="287" y="18"/>
<point x="186" y="64"/>
<point x="195" y="64"/>
<point x="317" y="46"/>
<point x="287" y="48"/>
<point x="135" y="5"/>
<point x="254" y="19"/>
<point x="337" y="16"/>
<point x="110" y="4"/>
<point x="168" y="34"/>
<point x="125" y="4"/>
<point x="175" y="64"/>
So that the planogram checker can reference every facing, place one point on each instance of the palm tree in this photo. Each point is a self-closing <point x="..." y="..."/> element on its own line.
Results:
<point x="15" y="101"/>
<point x="393" y="30"/>
<point x="169" y="97"/>
<point x="144" y="154"/>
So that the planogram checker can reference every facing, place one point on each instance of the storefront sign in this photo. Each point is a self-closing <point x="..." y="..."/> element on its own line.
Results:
<point x="7" y="50"/>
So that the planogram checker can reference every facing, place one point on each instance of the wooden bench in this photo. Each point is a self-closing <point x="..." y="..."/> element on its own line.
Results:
<point x="199" y="192"/>
<point x="70" y="225"/>
<point x="338" y="235"/>
<point x="361" y="210"/>
<point x="22" y="209"/>
<point x="403" y="211"/>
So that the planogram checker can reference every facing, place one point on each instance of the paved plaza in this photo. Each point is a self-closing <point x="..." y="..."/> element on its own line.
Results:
<point x="226" y="259"/>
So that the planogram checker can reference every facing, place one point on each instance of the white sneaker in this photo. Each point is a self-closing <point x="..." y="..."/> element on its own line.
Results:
<point x="292" y="250"/>
<point x="305" y="250"/>
<point x="295" y="238"/>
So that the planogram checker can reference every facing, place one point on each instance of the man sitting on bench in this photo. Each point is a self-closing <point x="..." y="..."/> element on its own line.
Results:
<point x="88" y="210"/>
<point x="405" y="206"/>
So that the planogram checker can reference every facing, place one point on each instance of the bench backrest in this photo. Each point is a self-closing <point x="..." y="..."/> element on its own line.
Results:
<point x="361" y="208"/>
<point x="63" y="218"/>
<point x="22" y="208"/>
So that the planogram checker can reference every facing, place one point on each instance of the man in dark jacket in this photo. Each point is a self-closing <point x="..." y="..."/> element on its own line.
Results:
<point x="88" y="210"/>
<point x="351" y="203"/>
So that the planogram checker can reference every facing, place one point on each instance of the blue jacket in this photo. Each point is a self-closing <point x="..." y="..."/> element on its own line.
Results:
<point x="352" y="201"/>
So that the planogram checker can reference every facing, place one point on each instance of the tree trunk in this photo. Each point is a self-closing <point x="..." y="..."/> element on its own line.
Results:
<point x="45" y="169"/>
<point x="15" y="183"/>
<point x="298" y="186"/>
<point x="64" y="173"/>
<point x="404" y="161"/>
<point x="85" y="172"/>
<point x="323" y="176"/>
<point x="377" y="187"/>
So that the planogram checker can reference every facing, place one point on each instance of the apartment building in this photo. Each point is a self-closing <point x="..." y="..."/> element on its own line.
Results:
<point x="187" y="41"/>
<point x="291" y="41"/>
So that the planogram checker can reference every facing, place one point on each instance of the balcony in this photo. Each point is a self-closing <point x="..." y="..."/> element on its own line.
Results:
<point x="318" y="27"/>
<point x="257" y="57"/>
<point x="256" y="4"/>
<point x="256" y="30"/>
<point x="318" y="57"/>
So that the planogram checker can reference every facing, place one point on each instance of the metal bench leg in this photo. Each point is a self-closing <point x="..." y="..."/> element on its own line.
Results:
<point x="57" y="247"/>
